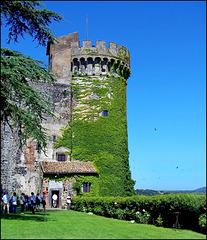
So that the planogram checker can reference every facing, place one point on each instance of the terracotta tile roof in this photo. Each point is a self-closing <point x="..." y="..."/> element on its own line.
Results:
<point x="67" y="167"/>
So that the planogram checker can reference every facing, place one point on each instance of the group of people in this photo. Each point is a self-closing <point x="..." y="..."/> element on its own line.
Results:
<point x="31" y="203"/>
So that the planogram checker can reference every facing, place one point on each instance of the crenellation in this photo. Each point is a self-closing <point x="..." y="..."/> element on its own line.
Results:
<point x="101" y="47"/>
<point x="88" y="51"/>
<point x="113" y="48"/>
<point x="86" y="43"/>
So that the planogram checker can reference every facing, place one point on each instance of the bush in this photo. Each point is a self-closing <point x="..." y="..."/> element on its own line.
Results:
<point x="158" y="210"/>
<point x="143" y="217"/>
<point x="159" y="221"/>
<point x="77" y="187"/>
<point x="202" y="222"/>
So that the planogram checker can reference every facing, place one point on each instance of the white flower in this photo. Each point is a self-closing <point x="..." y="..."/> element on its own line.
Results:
<point x="137" y="212"/>
<point x="90" y="213"/>
<point x="132" y="221"/>
<point x="148" y="215"/>
<point x="143" y="210"/>
<point x="115" y="203"/>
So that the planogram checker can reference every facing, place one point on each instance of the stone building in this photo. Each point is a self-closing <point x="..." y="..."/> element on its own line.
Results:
<point x="28" y="169"/>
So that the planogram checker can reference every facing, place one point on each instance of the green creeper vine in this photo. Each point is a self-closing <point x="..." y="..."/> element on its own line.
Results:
<point x="102" y="140"/>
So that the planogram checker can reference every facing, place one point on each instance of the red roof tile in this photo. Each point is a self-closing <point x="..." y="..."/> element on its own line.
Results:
<point x="67" y="167"/>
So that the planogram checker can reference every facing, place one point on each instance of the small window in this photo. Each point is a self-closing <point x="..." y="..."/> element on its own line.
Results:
<point x="61" y="157"/>
<point x="38" y="147"/>
<point x="86" y="187"/>
<point x="105" y="113"/>
<point x="54" y="138"/>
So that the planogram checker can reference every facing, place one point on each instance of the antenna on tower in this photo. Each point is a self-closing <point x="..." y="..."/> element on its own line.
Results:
<point x="87" y="27"/>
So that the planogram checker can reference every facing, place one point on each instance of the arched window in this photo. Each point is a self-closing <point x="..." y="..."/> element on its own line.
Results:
<point x="90" y="60"/>
<point x="104" y="67"/>
<point x="82" y="61"/>
<point x="75" y="65"/>
<point x="97" y="60"/>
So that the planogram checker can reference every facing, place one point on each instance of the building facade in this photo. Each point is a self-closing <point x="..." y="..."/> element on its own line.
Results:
<point x="87" y="150"/>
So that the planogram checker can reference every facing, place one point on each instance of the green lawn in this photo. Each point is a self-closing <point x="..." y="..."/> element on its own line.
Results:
<point x="78" y="225"/>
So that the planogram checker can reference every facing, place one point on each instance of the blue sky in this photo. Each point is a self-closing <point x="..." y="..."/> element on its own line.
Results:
<point x="167" y="87"/>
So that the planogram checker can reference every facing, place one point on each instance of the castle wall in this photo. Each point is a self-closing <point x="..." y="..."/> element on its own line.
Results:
<point x="70" y="63"/>
<point x="11" y="164"/>
<point x="20" y="168"/>
<point x="60" y="55"/>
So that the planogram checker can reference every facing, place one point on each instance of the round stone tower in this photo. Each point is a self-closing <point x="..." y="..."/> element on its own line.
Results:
<point x="97" y="126"/>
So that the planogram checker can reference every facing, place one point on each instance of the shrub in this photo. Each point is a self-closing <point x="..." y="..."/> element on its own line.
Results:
<point x="77" y="187"/>
<point x="143" y="217"/>
<point x="159" y="221"/>
<point x="158" y="210"/>
<point x="202" y="222"/>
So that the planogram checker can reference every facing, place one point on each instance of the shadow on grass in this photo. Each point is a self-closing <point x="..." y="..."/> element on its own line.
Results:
<point x="38" y="216"/>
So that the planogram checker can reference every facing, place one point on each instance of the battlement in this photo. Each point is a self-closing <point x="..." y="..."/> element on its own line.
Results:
<point x="89" y="51"/>
<point x="67" y="57"/>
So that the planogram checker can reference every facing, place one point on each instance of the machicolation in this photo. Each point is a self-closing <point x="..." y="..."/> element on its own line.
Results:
<point x="97" y="60"/>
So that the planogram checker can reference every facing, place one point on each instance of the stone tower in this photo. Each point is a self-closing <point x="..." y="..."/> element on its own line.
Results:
<point x="87" y="141"/>
<point x="97" y="128"/>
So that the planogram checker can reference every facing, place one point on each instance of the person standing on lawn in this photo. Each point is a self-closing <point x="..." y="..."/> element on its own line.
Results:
<point x="33" y="202"/>
<point x="68" y="202"/>
<point x="26" y="202"/>
<point x="14" y="202"/>
<point x="6" y="199"/>
<point x="54" y="198"/>
<point x="44" y="201"/>
<point x="22" y="202"/>
<point x="29" y="203"/>
<point x="38" y="201"/>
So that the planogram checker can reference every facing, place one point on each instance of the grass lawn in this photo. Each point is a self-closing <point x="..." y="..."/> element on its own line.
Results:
<point x="78" y="225"/>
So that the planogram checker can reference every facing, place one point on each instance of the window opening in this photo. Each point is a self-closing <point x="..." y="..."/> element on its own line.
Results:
<point x="86" y="187"/>
<point x="38" y="147"/>
<point x="105" y="113"/>
<point x="61" y="157"/>
<point x="54" y="138"/>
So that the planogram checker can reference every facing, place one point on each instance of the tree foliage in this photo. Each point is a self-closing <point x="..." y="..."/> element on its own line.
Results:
<point x="20" y="102"/>
<point x="22" y="106"/>
<point x="24" y="17"/>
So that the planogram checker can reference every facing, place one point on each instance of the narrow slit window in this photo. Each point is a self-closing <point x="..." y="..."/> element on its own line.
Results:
<point x="38" y="146"/>
<point x="54" y="138"/>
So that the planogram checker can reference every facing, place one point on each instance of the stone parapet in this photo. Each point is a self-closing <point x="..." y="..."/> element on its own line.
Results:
<point x="112" y="52"/>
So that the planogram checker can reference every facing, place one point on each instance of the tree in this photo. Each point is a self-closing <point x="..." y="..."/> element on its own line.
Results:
<point x="25" y="17"/>
<point x="21" y="104"/>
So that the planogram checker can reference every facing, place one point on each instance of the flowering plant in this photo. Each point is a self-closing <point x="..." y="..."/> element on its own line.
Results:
<point x="84" y="209"/>
<point x="143" y="217"/>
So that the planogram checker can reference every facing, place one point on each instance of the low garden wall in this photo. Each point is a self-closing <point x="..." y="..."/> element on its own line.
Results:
<point x="159" y="210"/>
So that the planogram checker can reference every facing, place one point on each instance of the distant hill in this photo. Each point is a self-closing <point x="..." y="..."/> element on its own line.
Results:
<point x="203" y="190"/>
<point x="149" y="192"/>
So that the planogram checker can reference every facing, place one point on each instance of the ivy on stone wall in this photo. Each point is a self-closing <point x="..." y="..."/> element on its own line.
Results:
<point x="102" y="140"/>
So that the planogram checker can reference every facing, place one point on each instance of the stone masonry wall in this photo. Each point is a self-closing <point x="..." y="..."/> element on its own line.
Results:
<point x="20" y="168"/>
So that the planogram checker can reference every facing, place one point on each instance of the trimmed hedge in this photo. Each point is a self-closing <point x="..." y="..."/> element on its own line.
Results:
<point x="159" y="210"/>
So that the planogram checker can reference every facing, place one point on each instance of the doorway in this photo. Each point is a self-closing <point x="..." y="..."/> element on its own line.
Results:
<point x="58" y="199"/>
